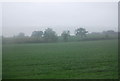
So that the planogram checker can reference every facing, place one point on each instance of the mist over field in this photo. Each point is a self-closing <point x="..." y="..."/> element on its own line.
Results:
<point x="29" y="17"/>
<point x="0" y="58"/>
<point x="59" y="40"/>
<point x="0" y="41"/>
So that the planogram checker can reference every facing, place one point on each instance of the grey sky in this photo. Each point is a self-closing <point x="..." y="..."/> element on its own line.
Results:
<point x="0" y="19"/>
<point x="27" y="17"/>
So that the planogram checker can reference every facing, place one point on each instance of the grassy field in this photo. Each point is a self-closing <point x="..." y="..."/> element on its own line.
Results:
<point x="0" y="58"/>
<point x="71" y="60"/>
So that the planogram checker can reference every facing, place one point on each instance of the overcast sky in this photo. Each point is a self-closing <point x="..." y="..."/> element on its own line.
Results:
<point x="27" y="17"/>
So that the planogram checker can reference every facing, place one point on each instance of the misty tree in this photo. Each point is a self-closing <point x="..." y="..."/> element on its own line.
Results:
<point x="50" y="35"/>
<point x="37" y="34"/>
<point x="81" y="32"/>
<point x="21" y="35"/>
<point x="65" y="35"/>
<point x="108" y="33"/>
<point x="20" y="38"/>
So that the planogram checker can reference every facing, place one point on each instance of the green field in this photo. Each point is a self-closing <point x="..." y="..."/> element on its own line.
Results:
<point x="0" y="58"/>
<point x="70" y="60"/>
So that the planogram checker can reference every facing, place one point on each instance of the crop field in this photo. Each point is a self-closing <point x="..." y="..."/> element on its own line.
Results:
<point x="67" y="60"/>
<point x="0" y="59"/>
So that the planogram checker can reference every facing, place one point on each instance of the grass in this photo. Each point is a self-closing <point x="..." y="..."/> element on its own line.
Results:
<point x="71" y="60"/>
<point x="0" y="58"/>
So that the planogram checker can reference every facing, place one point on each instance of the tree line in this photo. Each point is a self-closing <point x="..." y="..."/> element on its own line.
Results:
<point x="51" y="36"/>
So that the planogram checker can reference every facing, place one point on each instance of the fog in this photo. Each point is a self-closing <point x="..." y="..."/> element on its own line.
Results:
<point x="0" y="19"/>
<point x="28" y="17"/>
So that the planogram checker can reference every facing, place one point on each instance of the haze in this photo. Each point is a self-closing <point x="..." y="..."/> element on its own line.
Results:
<point x="28" y="17"/>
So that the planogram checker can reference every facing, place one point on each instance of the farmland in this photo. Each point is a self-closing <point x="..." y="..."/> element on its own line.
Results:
<point x="67" y="60"/>
<point x="0" y="58"/>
